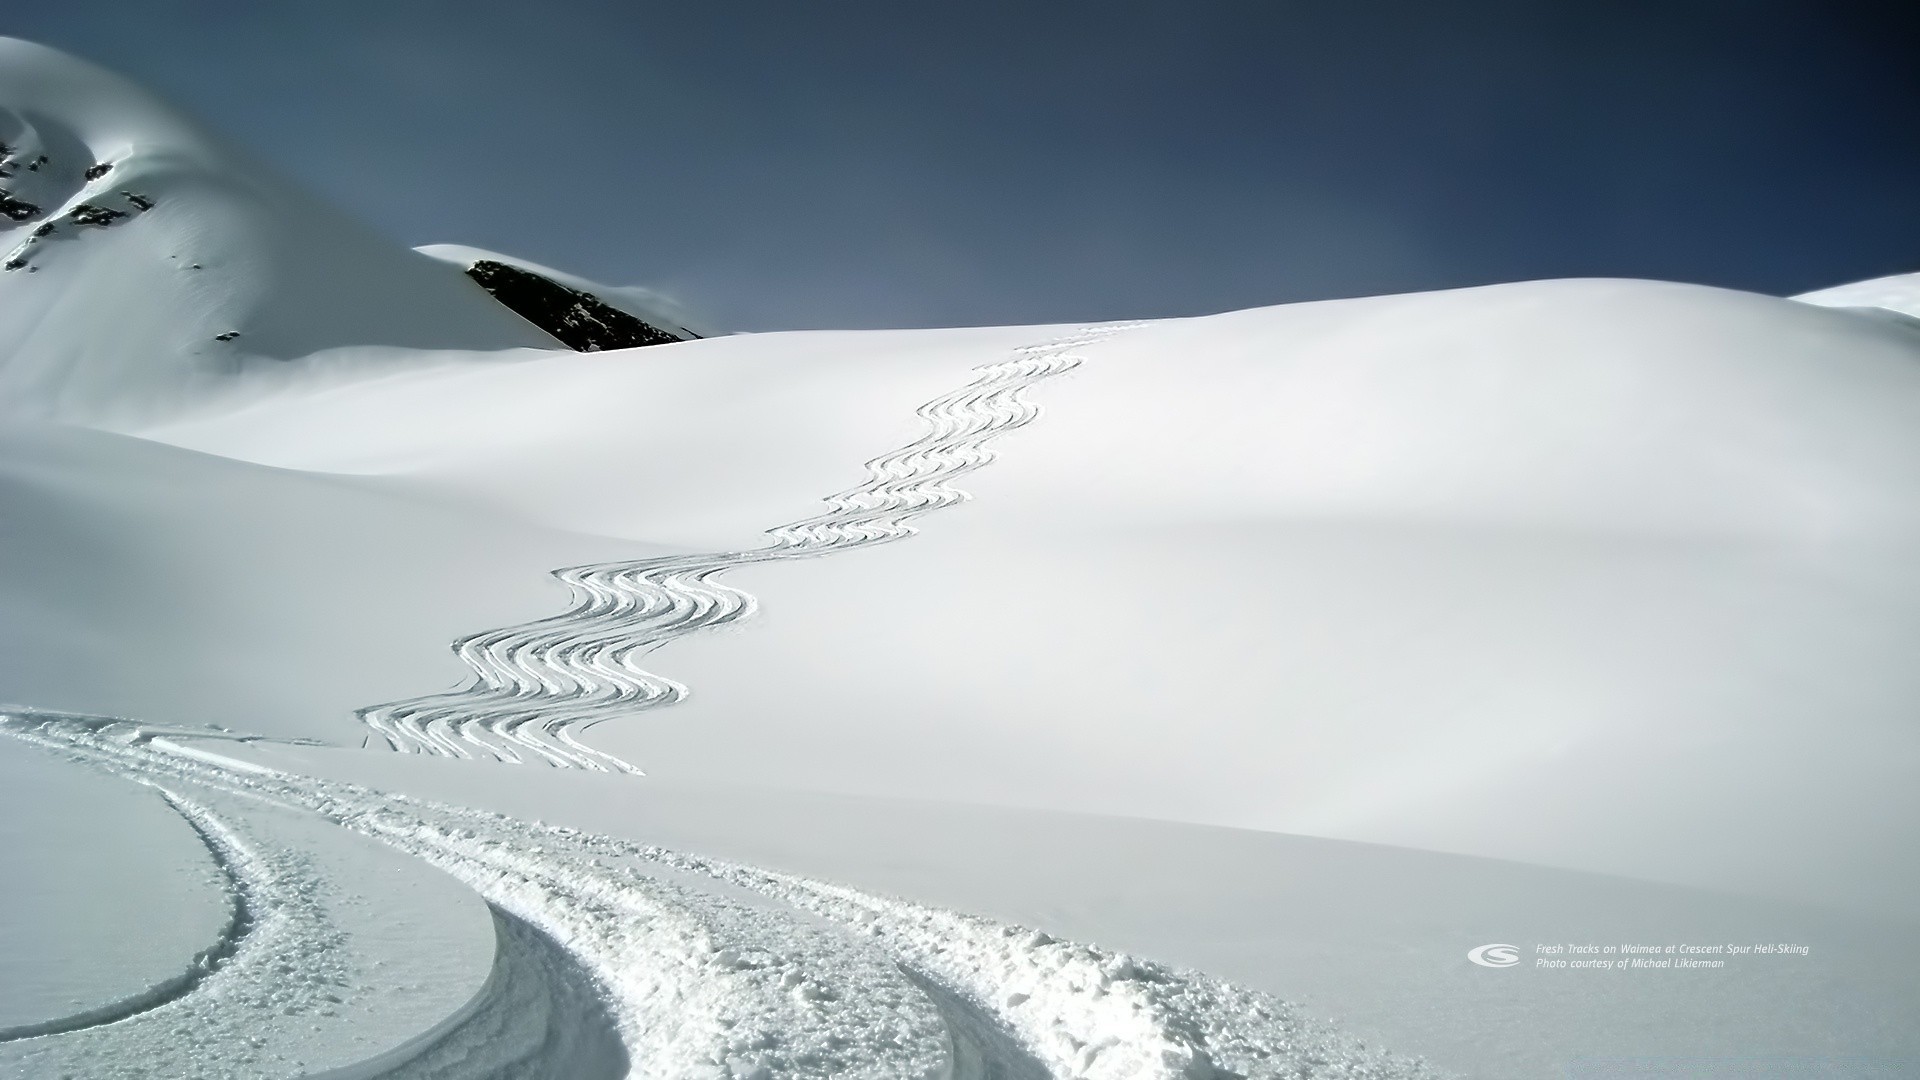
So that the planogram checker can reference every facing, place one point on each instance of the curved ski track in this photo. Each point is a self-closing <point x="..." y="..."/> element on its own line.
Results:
<point x="622" y="959"/>
<point x="535" y="685"/>
<point x="246" y="878"/>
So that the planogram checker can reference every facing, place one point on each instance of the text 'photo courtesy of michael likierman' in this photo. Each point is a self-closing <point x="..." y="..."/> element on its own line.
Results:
<point x="1674" y="956"/>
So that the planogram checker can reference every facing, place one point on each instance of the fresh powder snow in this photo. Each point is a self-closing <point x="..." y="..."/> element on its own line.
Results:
<point x="391" y="691"/>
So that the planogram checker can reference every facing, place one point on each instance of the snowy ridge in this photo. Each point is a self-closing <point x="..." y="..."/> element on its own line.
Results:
<point x="709" y="969"/>
<point x="1897" y="293"/>
<point x="534" y="686"/>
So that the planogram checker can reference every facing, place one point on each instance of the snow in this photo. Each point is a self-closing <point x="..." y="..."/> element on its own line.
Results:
<point x="144" y="580"/>
<point x="1525" y="572"/>
<point x="702" y="981"/>
<point x="1445" y="569"/>
<point x="536" y="684"/>
<point x="335" y="952"/>
<point x="1897" y="293"/>
<point x="106" y="929"/>
<point x="1022" y="701"/>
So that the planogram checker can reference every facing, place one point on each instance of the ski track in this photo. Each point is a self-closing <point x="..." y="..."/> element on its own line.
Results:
<point x="539" y="1017"/>
<point x="244" y="882"/>
<point x="535" y="686"/>
<point x="279" y="960"/>
<point x="623" y="959"/>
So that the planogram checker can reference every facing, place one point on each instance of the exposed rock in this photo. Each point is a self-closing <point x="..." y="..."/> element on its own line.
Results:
<point x="140" y="202"/>
<point x="17" y="209"/>
<point x="582" y="322"/>
<point x="95" y="172"/>
<point x="34" y="165"/>
<point x="228" y="336"/>
<point x="89" y="214"/>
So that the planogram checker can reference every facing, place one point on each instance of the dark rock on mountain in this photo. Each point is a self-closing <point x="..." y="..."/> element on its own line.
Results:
<point x="582" y="322"/>
<point x="17" y="209"/>
<point x="89" y="214"/>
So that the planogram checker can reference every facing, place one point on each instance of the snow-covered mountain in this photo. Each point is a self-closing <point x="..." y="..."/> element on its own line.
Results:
<point x="1309" y="647"/>
<point x="149" y="267"/>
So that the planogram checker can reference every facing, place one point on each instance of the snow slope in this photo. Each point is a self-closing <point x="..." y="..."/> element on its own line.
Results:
<point x="1530" y="571"/>
<point x="1252" y="643"/>
<point x="1045" y="589"/>
<point x="191" y="589"/>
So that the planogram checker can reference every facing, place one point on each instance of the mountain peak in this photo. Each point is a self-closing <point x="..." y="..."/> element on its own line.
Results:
<point x="149" y="268"/>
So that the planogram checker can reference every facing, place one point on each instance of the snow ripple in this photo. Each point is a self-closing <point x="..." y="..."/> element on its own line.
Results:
<point x="676" y="965"/>
<point x="536" y="685"/>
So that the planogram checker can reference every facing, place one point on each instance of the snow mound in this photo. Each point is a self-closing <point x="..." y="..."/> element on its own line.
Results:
<point x="1899" y="293"/>
<point x="148" y="267"/>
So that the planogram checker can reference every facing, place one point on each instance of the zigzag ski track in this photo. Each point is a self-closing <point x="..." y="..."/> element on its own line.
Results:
<point x="536" y="685"/>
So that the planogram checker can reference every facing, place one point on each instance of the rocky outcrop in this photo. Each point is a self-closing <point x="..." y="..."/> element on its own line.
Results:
<point x="89" y="214"/>
<point x="19" y="209"/>
<point x="581" y="321"/>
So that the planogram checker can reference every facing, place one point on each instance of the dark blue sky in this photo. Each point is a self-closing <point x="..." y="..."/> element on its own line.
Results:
<point x="841" y="163"/>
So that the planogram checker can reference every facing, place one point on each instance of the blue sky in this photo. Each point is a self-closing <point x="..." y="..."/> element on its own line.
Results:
<point x="909" y="164"/>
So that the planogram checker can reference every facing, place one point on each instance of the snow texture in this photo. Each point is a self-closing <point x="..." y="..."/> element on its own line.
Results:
<point x="312" y="971"/>
<point x="776" y="976"/>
